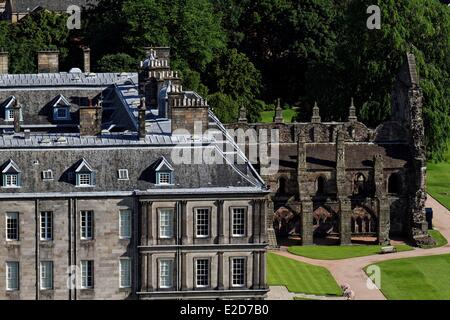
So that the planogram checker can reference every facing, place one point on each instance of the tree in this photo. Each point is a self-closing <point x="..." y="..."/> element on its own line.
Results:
<point x="233" y="74"/>
<point x="225" y="107"/>
<point x="119" y="62"/>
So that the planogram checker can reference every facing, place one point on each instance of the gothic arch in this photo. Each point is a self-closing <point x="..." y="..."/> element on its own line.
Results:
<point x="320" y="185"/>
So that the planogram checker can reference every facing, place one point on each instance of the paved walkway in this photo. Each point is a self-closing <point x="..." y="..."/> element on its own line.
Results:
<point x="349" y="271"/>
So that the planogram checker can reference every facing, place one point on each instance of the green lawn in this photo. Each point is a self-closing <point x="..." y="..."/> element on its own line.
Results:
<point x="300" y="277"/>
<point x="340" y="252"/>
<point x="438" y="180"/>
<point x="422" y="278"/>
<point x="288" y="116"/>
<point x="440" y="240"/>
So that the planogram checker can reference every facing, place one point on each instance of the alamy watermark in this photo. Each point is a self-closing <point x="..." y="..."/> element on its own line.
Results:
<point x="374" y="20"/>
<point x="74" y="20"/>
<point x="374" y="277"/>
<point x="215" y="147"/>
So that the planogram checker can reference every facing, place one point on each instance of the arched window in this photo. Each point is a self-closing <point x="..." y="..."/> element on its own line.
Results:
<point x="320" y="185"/>
<point x="394" y="184"/>
<point x="359" y="184"/>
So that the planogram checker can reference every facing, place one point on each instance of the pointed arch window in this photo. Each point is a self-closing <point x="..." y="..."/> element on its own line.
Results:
<point x="320" y="185"/>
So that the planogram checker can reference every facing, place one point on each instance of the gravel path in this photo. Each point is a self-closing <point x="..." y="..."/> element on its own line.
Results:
<point x="349" y="271"/>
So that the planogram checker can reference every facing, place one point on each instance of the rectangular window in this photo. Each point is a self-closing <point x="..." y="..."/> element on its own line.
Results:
<point x="125" y="273"/>
<point x="202" y="223"/>
<point x="11" y="180"/>
<point x="202" y="273"/>
<point x="84" y="179"/>
<point x="47" y="175"/>
<point x="164" y="178"/>
<point x="12" y="226"/>
<point x="62" y="113"/>
<point x="123" y="174"/>
<point x="166" y="223"/>
<point x="238" y="272"/>
<point x="87" y="274"/>
<point x="125" y="224"/>
<point x="9" y="115"/>
<point x="87" y="225"/>
<point x="46" y="275"/>
<point x="165" y="274"/>
<point x="46" y="225"/>
<point x="238" y="222"/>
<point x="12" y="276"/>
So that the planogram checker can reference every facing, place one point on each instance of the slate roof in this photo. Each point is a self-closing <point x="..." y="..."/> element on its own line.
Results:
<point x="64" y="79"/>
<point x="107" y="162"/>
<point x="53" y="5"/>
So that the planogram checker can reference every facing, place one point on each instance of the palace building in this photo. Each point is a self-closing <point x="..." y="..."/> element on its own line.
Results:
<point x="95" y="202"/>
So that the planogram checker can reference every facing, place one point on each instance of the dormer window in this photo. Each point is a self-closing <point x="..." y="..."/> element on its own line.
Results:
<point x="123" y="174"/>
<point x="11" y="175"/>
<point x="9" y="109"/>
<point x="61" y="108"/>
<point x="47" y="175"/>
<point x="164" y="172"/>
<point x="85" y="176"/>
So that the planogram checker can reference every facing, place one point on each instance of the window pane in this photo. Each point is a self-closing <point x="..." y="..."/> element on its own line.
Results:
<point x="238" y="272"/>
<point x="46" y="225"/>
<point x="166" y="223"/>
<point x="87" y="274"/>
<point x="202" y="222"/>
<point x="12" y="226"/>
<point x="12" y="275"/>
<point x="84" y="179"/>
<point x="202" y="272"/>
<point x="164" y="178"/>
<point x="165" y="273"/>
<point x="125" y="273"/>
<point x="238" y="221"/>
<point x="46" y="275"/>
<point x="125" y="224"/>
<point x="86" y="220"/>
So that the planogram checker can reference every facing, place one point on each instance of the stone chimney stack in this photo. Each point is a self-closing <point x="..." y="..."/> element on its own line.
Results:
<point x="141" y="119"/>
<point x="4" y="62"/>
<point x="87" y="59"/>
<point x="16" y="112"/>
<point x="48" y="61"/>
<point x="90" y="120"/>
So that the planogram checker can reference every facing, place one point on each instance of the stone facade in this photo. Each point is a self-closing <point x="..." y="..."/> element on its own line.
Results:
<point x="342" y="180"/>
